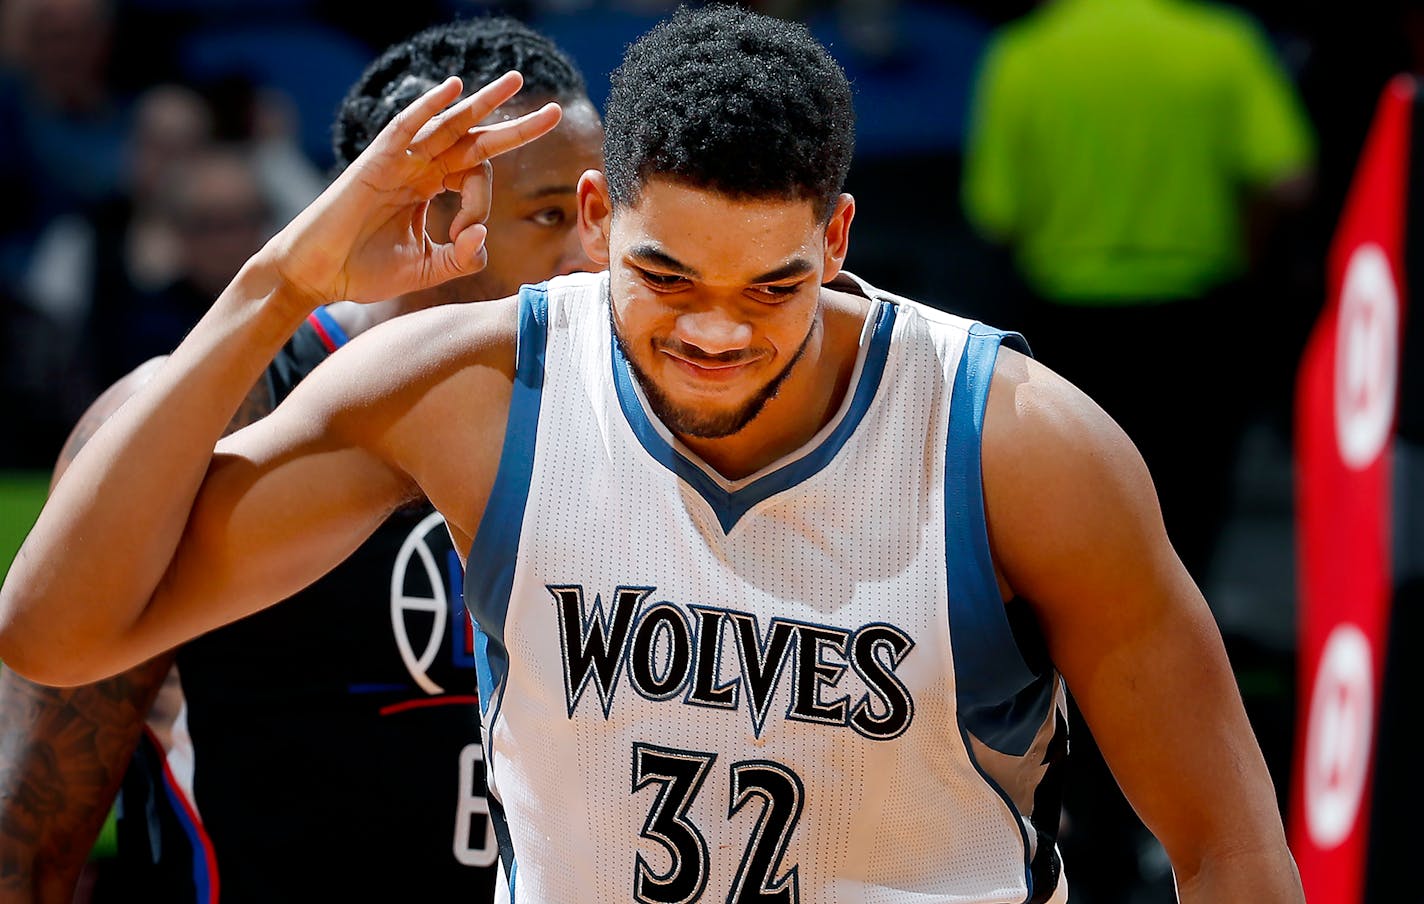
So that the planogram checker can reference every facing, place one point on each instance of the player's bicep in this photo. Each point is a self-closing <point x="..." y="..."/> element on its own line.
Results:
<point x="257" y="404"/>
<point x="1073" y="516"/>
<point x="99" y="411"/>
<point x="283" y="502"/>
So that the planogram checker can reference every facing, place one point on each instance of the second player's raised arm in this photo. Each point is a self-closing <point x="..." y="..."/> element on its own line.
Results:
<point x="104" y="539"/>
<point x="410" y="407"/>
<point x="149" y="523"/>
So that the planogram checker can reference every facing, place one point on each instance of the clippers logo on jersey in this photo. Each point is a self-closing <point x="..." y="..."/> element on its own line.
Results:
<point x="671" y="651"/>
<point x="427" y="606"/>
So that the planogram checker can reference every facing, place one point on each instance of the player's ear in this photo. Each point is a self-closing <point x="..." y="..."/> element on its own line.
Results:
<point x="595" y="216"/>
<point x="838" y="237"/>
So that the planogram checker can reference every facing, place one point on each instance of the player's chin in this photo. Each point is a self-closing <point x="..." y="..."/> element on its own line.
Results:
<point x="712" y="418"/>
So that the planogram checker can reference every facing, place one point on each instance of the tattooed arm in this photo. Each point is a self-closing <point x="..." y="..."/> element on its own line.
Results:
<point x="63" y="751"/>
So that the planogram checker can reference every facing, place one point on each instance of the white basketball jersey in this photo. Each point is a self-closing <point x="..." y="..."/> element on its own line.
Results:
<point x="801" y="686"/>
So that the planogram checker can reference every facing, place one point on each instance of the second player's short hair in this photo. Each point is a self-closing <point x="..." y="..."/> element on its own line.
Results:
<point x="478" y="50"/>
<point x="732" y="101"/>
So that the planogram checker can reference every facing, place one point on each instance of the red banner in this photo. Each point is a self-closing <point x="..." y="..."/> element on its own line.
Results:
<point x="1346" y="409"/>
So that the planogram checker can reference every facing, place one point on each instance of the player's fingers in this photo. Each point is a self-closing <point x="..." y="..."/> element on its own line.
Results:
<point x="477" y="146"/>
<point x="444" y="130"/>
<point x="491" y="141"/>
<point x="463" y="256"/>
<point x="475" y="197"/>
<point x="401" y="130"/>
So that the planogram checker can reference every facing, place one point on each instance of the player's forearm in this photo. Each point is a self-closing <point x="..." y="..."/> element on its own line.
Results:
<point x="105" y="538"/>
<point x="63" y="753"/>
<point x="28" y="882"/>
<point x="25" y="879"/>
<point x="1265" y="875"/>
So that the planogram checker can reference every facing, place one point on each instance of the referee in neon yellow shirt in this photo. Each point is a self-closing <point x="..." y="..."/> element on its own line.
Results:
<point x="1117" y="148"/>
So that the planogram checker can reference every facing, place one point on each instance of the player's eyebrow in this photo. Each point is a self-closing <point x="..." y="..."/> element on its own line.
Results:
<point x="795" y="267"/>
<point x="650" y="253"/>
<point x="545" y="191"/>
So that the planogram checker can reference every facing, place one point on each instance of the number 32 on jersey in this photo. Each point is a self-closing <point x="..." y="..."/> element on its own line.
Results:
<point x="680" y="775"/>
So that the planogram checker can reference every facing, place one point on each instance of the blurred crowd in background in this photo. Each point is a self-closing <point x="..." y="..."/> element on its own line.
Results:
<point x="148" y="147"/>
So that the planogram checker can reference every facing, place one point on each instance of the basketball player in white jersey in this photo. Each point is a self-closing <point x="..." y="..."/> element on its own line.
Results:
<point x="776" y="577"/>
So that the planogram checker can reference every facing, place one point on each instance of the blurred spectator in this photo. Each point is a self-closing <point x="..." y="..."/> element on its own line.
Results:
<point x="1131" y="154"/>
<point x="215" y="208"/>
<point x="61" y="128"/>
<point x="88" y="264"/>
<point x="122" y="245"/>
<point x="308" y="63"/>
<point x="265" y="120"/>
<point x="172" y="125"/>
<point x="61" y="136"/>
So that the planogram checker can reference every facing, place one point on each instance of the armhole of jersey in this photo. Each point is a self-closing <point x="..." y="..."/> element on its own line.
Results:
<point x="990" y="668"/>
<point x="327" y="329"/>
<point x="489" y="572"/>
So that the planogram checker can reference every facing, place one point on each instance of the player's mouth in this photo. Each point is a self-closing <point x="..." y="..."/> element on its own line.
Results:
<point x="712" y="370"/>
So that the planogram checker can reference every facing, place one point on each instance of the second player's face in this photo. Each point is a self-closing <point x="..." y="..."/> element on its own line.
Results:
<point x="714" y="300"/>
<point x="533" y="209"/>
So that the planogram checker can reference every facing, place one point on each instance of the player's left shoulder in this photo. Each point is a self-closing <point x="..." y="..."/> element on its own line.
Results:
<point x="1040" y="428"/>
<point x="1051" y="448"/>
<point x="1063" y="483"/>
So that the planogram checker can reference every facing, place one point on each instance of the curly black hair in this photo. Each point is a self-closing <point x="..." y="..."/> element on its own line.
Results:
<point x="477" y="49"/>
<point x="732" y="101"/>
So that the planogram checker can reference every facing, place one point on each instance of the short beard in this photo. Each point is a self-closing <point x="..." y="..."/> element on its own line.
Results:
<point x="700" y="424"/>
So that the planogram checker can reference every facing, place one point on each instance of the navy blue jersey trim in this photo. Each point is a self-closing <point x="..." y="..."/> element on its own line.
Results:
<point x="1002" y="701"/>
<point x="202" y="881"/>
<point x="990" y="672"/>
<point x="730" y="506"/>
<point x="1014" y="813"/>
<point x="506" y="844"/>
<point x="490" y="569"/>
<point x="332" y="328"/>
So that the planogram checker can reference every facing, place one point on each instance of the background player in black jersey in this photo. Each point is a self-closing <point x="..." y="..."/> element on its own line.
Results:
<point x="335" y="753"/>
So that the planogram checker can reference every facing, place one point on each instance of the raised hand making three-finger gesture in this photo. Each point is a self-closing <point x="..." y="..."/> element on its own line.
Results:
<point x="364" y="238"/>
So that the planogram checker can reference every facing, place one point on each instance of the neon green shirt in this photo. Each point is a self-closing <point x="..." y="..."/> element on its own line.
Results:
<point x="1115" y="141"/>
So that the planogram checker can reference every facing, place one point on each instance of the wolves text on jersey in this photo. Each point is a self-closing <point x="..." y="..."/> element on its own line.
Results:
<point x="673" y="650"/>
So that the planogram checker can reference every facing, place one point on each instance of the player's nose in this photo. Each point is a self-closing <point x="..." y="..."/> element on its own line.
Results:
<point x="712" y="330"/>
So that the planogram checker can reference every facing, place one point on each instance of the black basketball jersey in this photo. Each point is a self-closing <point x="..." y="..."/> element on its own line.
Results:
<point x="335" y="736"/>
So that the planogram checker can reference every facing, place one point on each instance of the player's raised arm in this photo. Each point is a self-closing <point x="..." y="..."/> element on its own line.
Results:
<point x="158" y="525"/>
<point x="63" y="751"/>
<point x="1076" y="531"/>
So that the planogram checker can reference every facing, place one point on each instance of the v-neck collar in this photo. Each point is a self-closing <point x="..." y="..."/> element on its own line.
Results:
<point x="731" y="499"/>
